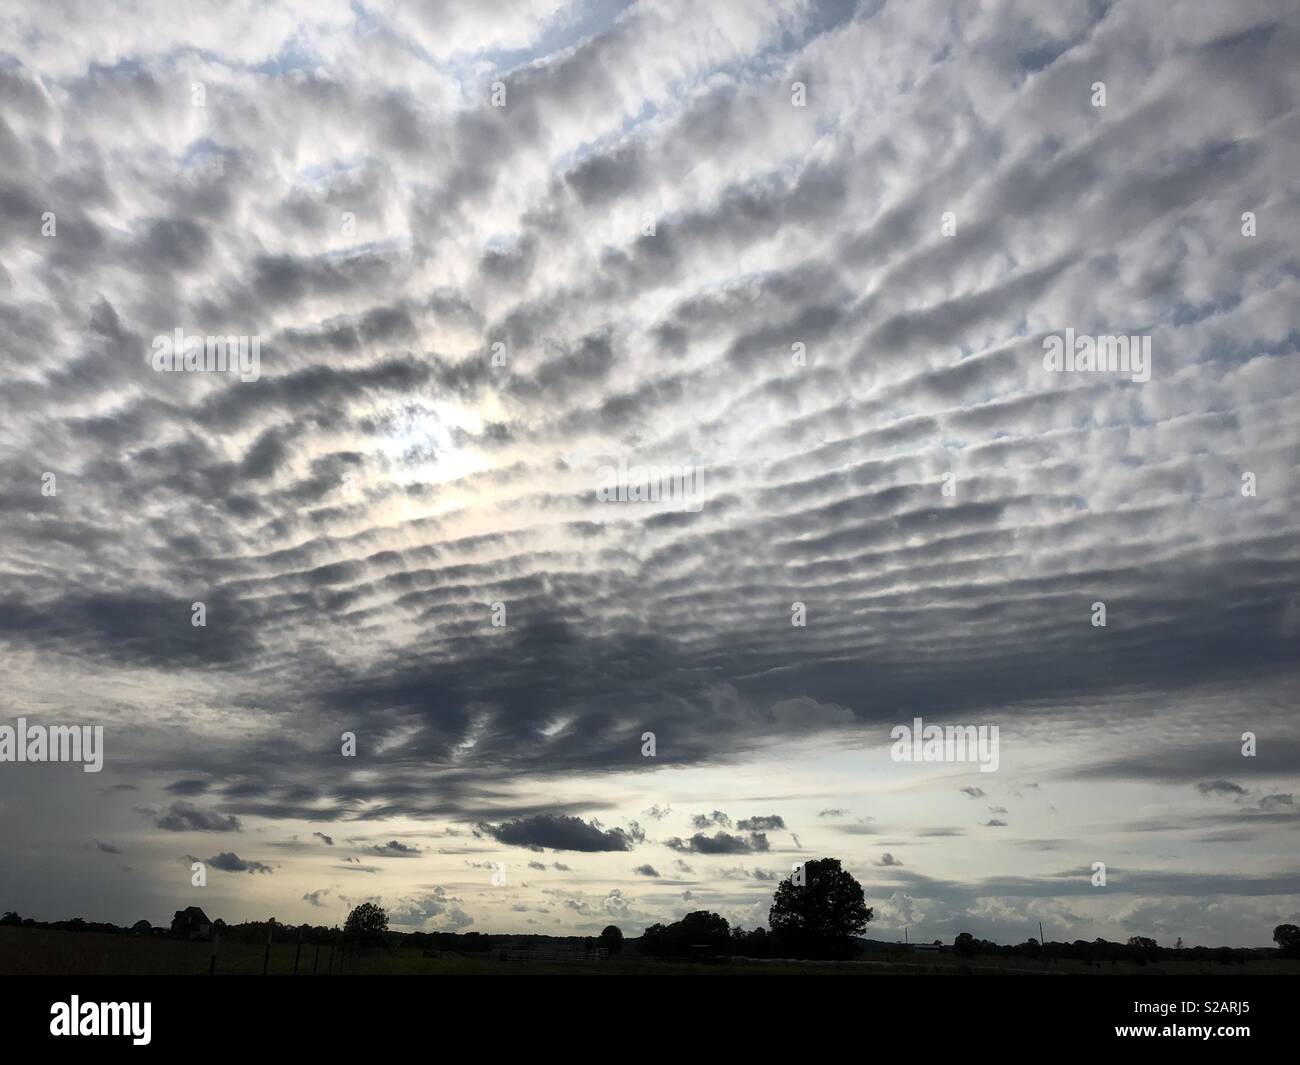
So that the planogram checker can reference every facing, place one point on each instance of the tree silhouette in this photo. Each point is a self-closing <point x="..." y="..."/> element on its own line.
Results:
<point x="1143" y="949"/>
<point x="611" y="938"/>
<point x="818" y="917"/>
<point x="1287" y="937"/>
<point x="703" y="928"/>
<point x="367" y="923"/>
<point x="698" y="930"/>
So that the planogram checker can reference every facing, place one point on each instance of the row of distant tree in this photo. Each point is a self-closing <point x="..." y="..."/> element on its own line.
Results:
<point x="818" y="913"/>
<point x="366" y="925"/>
<point x="76" y="924"/>
<point x="1138" y="949"/>
<point x="244" y="932"/>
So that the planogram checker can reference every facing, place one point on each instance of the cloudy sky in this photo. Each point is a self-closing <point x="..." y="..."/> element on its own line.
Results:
<point x="809" y="249"/>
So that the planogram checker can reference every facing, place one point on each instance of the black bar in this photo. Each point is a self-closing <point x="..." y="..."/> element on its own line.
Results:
<point x="942" y="1012"/>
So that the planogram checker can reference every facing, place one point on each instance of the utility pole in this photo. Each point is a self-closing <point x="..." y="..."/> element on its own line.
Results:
<point x="266" y="959"/>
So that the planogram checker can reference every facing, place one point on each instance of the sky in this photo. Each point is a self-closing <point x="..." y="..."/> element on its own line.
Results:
<point x="797" y="266"/>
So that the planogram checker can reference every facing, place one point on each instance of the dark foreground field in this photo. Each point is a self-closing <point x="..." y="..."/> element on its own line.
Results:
<point x="35" y="951"/>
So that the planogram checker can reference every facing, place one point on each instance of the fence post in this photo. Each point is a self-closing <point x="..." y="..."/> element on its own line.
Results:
<point x="212" y="961"/>
<point x="297" y="952"/>
<point x="329" y="968"/>
<point x="316" y="963"/>
<point x="266" y="961"/>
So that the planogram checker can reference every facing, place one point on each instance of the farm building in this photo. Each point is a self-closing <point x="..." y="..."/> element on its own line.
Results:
<point x="191" y="923"/>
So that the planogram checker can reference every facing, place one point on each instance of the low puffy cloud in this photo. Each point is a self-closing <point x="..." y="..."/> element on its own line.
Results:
<point x="761" y="824"/>
<point x="436" y="910"/>
<point x="560" y="832"/>
<point x="720" y="843"/>
<point x="230" y="862"/>
<point x="185" y="817"/>
<point x="393" y="849"/>
<point x="614" y="904"/>
<point x="1220" y="787"/>
<point x="709" y="820"/>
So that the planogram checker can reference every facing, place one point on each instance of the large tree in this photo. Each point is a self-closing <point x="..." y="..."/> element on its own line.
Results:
<point x="367" y="923"/>
<point x="611" y="939"/>
<point x="818" y="912"/>
<point x="697" y="931"/>
<point x="1287" y="936"/>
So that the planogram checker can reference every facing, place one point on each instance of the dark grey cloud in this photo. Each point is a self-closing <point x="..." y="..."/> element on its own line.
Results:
<point x="393" y="849"/>
<point x="720" y="843"/>
<point x="182" y="816"/>
<point x="761" y="824"/>
<point x="1201" y="764"/>
<point x="229" y="862"/>
<point x="558" y="832"/>
<point x="1220" y="787"/>
<point x="188" y="787"/>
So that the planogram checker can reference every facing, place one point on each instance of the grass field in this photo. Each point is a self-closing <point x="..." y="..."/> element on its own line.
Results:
<point x="36" y="951"/>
